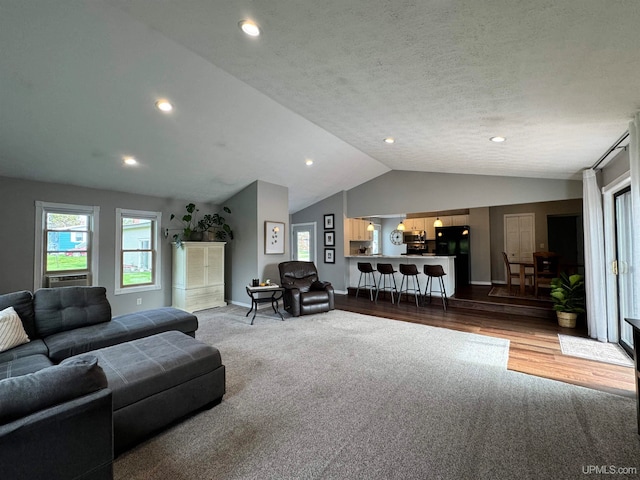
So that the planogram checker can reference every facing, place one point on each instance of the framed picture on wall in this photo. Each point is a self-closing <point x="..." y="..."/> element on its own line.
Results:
<point x="274" y="238"/>
<point x="329" y="255"/>
<point x="328" y="221"/>
<point x="329" y="238"/>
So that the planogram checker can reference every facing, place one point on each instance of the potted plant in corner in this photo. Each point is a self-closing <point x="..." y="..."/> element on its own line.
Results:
<point x="568" y="295"/>
<point x="194" y="229"/>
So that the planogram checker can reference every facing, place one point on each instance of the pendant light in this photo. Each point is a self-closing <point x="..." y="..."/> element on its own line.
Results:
<point x="370" y="227"/>
<point x="438" y="222"/>
<point x="400" y="227"/>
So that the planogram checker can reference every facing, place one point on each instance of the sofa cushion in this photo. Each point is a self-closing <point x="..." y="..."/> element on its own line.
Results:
<point x="24" y="365"/>
<point x="26" y="394"/>
<point x="67" y="308"/>
<point x="34" y="347"/>
<point x="12" y="332"/>
<point x="22" y="302"/>
<point x="121" y="329"/>
<point x="144" y="367"/>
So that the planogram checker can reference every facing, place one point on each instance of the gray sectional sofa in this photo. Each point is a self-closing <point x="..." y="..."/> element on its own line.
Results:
<point x="87" y="384"/>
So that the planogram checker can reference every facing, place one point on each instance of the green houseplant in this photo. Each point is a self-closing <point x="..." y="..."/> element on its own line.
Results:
<point x="568" y="295"/>
<point x="194" y="229"/>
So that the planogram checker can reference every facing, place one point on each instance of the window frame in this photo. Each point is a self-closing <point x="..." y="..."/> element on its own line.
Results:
<point x="156" y="284"/>
<point x="42" y="209"/>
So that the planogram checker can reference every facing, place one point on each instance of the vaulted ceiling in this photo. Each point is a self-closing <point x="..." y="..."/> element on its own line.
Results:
<point x="327" y="81"/>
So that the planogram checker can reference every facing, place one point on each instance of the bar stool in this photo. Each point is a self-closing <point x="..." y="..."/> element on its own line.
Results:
<point x="435" y="271"/>
<point x="409" y="271"/>
<point x="367" y="270"/>
<point x="386" y="269"/>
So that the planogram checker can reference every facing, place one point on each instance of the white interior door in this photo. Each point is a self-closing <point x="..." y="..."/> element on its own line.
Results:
<point x="519" y="236"/>
<point x="303" y="242"/>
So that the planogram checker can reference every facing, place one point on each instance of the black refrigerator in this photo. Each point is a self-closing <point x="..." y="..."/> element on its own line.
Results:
<point x="455" y="241"/>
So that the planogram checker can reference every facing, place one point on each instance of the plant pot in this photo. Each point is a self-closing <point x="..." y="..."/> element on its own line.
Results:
<point x="196" y="236"/>
<point x="567" y="319"/>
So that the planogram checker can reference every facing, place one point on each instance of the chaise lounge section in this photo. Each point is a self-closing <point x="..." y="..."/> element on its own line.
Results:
<point x="154" y="372"/>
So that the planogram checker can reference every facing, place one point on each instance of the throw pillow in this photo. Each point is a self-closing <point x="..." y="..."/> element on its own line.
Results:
<point x="12" y="332"/>
<point x="26" y="394"/>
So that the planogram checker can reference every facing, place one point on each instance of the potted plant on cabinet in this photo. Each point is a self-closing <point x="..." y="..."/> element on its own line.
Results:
<point x="194" y="229"/>
<point x="568" y="295"/>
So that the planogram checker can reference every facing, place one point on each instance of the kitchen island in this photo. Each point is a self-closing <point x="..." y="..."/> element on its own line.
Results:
<point x="447" y="262"/>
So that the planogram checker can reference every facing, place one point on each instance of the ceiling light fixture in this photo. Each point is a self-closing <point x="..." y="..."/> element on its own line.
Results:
<point x="389" y="140"/>
<point x="129" y="161"/>
<point x="164" y="105"/>
<point x="438" y="222"/>
<point x="497" y="139"/>
<point x="249" y="27"/>
<point x="308" y="162"/>
<point x="401" y="227"/>
<point x="370" y="227"/>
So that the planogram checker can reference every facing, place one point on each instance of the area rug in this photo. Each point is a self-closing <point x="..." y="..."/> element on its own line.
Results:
<point x="342" y="395"/>
<point x="594" y="350"/>
<point x="503" y="292"/>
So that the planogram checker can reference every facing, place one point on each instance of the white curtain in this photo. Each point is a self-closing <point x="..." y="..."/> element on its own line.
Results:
<point x="634" y="161"/>
<point x="594" y="256"/>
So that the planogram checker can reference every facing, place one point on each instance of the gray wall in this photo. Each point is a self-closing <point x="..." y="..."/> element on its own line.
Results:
<point x="330" y="272"/>
<point x="541" y="211"/>
<point x="241" y="254"/>
<point x="17" y="209"/>
<point x="251" y="208"/>
<point x="616" y="167"/>
<point x="480" y="231"/>
<point x="400" y="192"/>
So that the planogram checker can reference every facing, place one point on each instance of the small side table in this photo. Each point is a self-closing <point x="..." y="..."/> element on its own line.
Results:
<point x="276" y="294"/>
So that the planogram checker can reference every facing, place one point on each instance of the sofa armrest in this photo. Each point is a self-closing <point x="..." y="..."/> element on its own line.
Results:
<point x="70" y="440"/>
<point x="292" y="300"/>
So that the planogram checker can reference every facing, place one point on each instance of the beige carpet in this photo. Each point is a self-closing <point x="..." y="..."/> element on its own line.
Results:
<point x="594" y="350"/>
<point x="343" y="396"/>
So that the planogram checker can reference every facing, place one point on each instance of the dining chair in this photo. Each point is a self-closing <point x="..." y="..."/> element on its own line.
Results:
<point x="546" y="267"/>
<point x="514" y="274"/>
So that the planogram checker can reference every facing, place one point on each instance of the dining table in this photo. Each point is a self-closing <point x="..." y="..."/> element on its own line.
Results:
<point x="523" y="271"/>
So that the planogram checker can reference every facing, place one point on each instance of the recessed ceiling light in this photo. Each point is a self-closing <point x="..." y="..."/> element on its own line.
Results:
<point x="129" y="161"/>
<point x="164" y="105"/>
<point x="249" y="27"/>
<point x="308" y="162"/>
<point x="497" y="139"/>
<point x="389" y="140"/>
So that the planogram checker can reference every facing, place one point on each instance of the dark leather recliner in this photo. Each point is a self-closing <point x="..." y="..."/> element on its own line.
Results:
<point x="304" y="293"/>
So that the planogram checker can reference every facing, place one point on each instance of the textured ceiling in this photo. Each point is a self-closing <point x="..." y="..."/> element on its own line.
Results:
<point x="327" y="80"/>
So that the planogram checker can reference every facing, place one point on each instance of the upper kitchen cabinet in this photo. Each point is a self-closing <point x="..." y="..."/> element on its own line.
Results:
<point x="413" y="224"/>
<point x="357" y="230"/>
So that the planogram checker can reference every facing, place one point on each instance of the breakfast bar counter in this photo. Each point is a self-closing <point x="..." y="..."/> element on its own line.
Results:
<point x="447" y="262"/>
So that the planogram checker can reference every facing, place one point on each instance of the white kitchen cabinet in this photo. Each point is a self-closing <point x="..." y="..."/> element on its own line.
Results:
<point x="198" y="275"/>
<point x="358" y="230"/>
<point x="413" y="224"/>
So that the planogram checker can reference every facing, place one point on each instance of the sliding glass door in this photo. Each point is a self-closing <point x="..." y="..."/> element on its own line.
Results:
<point x="622" y="265"/>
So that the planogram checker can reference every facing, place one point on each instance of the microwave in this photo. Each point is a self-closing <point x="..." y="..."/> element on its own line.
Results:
<point x="417" y="236"/>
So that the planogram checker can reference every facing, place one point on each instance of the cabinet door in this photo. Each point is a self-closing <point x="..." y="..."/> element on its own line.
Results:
<point x="415" y="224"/>
<point x="429" y="228"/>
<point x="215" y="265"/>
<point x="195" y="264"/>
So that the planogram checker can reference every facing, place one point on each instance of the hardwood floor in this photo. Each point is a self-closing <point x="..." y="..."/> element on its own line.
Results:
<point x="534" y="346"/>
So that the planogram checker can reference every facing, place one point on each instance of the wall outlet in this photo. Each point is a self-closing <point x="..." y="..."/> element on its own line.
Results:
<point x="138" y="301"/>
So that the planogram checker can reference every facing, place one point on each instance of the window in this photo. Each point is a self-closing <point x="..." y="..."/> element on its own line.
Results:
<point x="66" y="238"/>
<point x="375" y="244"/>
<point x="137" y="251"/>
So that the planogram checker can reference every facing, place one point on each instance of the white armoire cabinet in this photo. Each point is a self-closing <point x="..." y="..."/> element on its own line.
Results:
<point x="198" y="275"/>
